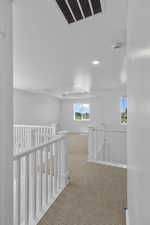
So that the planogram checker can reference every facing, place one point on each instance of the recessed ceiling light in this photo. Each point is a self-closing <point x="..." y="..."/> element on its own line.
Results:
<point x="95" y="62"/>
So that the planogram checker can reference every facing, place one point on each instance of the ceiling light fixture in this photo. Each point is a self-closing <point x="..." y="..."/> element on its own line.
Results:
<point x="95" y="62"/>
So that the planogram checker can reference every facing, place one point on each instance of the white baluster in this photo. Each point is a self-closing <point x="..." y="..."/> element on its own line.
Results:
<point x="46" y="173"/>
<point x="51" y="170"/>
<point x="41" y="185"/>
<point x="27" y="190"/>
<point x="34" y="185"/>
<point x="40" y="136"/>
<point x="59" y="164"/>
<point x="18" y="192"/>
<point x="38" y="142"/>
<point x="55" y="168"/>
<point x="41" y="180"/>
<point x="66" y="168"/>
<point x="62" y="162"/>
<point x="23" y="138"/>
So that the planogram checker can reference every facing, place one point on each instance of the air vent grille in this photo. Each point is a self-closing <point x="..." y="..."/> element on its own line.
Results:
<point x="96" y="6"/>
<point x="86" y="8"/>
<point x="75" y="10"/>
<point x="65" y="10"/>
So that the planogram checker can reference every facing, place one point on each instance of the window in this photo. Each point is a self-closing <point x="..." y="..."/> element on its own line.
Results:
<point x="81" y="112"/>
<point x="124" y="109"/>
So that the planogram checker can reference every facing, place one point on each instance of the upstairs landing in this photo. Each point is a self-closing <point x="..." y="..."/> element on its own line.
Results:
<point x="96" y="194"/>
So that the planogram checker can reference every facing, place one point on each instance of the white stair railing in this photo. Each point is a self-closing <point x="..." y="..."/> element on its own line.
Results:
<point x="107" y="146"/>
<point x="95" y="143"/>
<point x="40" y="175"/>
<point x="27" y="136"/>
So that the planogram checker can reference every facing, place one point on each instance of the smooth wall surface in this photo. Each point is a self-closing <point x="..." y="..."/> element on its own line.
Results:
<point x="111" y="108"/>
<point x="35" y="109"/>
<point x="67" y="116"/>
<point x="6" y="114"/>
<point x="111" y="115"/>
<point x="105" y="108"/>
<point x="138" y="69"/>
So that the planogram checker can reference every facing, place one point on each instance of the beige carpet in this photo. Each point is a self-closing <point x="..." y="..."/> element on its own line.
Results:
<point x="96" y="194"/>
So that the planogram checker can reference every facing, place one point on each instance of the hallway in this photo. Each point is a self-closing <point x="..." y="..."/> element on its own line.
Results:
<point x="96" y="194"/>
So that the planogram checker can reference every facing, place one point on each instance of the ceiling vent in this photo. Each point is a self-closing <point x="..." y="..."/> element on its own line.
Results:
<point x="75" y="10"/>
<point x="74" y="93"/>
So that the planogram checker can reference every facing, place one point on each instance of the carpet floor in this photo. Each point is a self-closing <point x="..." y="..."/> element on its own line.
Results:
<point x="96" y="194"/>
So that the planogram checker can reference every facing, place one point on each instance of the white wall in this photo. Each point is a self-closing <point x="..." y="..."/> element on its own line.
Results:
<point x="138" y="69"/>
<point x="105" y="108"/>
<point x="37" y="109"/>
<point x="67" y="120"/>
<point x="6" y="114"/>
<point x="111" y="108"/>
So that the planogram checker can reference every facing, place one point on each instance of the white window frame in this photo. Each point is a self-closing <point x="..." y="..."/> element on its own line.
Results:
<point x="82" y="120"/>
<point x="124" y="123"/>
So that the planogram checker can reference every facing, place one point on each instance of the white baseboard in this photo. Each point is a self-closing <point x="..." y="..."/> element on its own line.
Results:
<point x="108" y="163"/>
<point x="127" y="216"/>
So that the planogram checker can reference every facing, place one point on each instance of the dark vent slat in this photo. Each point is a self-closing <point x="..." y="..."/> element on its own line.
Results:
<point x="65" y="10"/>
<point x="75" y="9"/>
<point x="96" y="4"/>
<point x="86" y="7"/>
